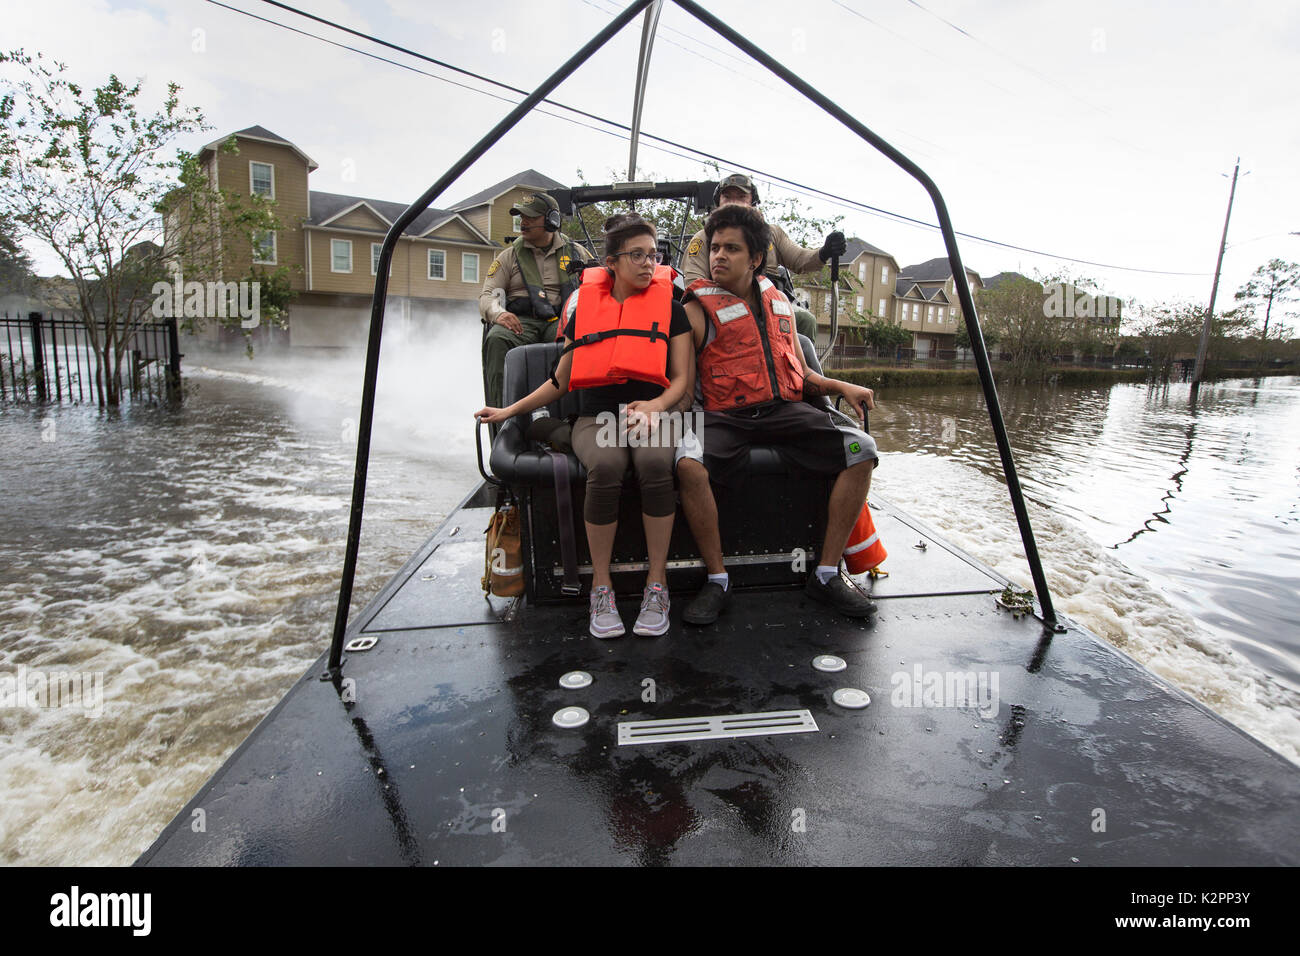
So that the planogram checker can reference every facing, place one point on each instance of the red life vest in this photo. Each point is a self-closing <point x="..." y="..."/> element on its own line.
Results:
<point x="864" y="552"/>
<point x="616" y="341"/>
<point x="749" y="361"/>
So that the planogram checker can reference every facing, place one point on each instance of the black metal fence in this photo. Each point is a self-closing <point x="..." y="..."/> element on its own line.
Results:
<point x="48" y="357"/>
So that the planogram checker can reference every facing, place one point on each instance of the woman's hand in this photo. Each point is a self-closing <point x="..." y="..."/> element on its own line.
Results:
<point x="492" y="415"/>
<point x="642" y="419"/>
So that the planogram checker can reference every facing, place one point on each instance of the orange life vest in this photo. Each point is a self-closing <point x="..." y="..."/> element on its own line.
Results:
<point x="749" y="361"/>
<point x="864" y="552"/>
<point x="616" y="341"/>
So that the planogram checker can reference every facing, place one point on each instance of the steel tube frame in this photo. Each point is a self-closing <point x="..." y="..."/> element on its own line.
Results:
<point x="504" y="126"/>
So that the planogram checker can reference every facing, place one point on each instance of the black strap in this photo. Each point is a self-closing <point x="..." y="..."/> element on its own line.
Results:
<point x="564" y="515"/>
<point x="591" y="338"/>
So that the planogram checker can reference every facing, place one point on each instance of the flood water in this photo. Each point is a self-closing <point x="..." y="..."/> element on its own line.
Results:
<point x="191" y="557"/>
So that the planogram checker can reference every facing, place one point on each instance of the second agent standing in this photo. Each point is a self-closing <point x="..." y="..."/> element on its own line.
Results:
<point x="625" y="381"/>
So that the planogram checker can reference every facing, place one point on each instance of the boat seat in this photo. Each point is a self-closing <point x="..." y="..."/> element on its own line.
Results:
<point x="763" y="523"/>
<point x="520" y="462"/>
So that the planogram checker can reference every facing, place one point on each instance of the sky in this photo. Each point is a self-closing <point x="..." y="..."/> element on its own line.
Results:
<point x="1104" y="131"/>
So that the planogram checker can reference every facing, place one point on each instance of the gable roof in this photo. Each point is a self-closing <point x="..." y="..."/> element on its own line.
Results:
<point x="933" y="270"/>
<point x="324" y="207"/>
<point x="529" y="177"/>
<point x="856" y="247"/>
<point x="262" y="134"/>
<point x="903" y="287"/>
<point x="1000" y="278"/>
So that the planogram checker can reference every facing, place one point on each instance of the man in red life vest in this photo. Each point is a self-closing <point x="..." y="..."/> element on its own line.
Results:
<point x="751" y="383"/>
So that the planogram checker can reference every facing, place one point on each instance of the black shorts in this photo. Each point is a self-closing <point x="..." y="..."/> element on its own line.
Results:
<point x="810" y="440"/>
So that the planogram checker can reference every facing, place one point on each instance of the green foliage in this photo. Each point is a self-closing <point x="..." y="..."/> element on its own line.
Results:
<point x="86" y="174"/>
<point x="1275" y="284"/>
<point x="15" y="266"/>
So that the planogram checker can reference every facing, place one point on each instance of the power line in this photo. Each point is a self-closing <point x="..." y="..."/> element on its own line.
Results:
<point x="789" y="183"/>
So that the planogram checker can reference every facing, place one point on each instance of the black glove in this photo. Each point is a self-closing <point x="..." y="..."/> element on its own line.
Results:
<point x="833" y="246"/>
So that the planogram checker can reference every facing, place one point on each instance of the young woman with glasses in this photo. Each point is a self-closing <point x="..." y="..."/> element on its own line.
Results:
<point x="628" y="353"/>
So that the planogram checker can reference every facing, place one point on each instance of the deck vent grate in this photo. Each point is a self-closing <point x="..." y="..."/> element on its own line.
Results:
<point x="721" y="727"/>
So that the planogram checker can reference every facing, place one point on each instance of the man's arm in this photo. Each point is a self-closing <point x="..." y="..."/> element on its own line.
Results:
<point x="491" y="303"/>
<point x="695" y="264"/>
<point x="792" y="256"/>
<point x="815" y="385"/>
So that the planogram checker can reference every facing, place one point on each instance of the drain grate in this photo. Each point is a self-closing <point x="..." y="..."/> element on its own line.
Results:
<point x="717" y="728"/>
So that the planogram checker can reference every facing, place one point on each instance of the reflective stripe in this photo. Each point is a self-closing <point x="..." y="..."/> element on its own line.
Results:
<point x="764" y="283"/>
<point x="711" y="290"/>
<point x="733" y="312"/>
<point x="781" y="307"/>
<point x="854" y="549"/>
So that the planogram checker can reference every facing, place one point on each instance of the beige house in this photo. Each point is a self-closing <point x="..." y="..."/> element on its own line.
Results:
<point x="927" y="304"/>
<point x="867" y="277"/>
<point x="331" y="243"/>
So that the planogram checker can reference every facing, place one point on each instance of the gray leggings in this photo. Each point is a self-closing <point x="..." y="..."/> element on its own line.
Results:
<point x="606" y="462"/>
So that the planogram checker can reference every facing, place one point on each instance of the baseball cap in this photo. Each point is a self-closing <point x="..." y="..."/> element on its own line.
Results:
<point x="538" y="204"/>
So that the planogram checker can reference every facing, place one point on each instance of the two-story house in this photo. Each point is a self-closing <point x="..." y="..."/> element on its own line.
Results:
<point x="867" y="276"/>
<point x="927" y="304"/>
<point x="331" y="243"/>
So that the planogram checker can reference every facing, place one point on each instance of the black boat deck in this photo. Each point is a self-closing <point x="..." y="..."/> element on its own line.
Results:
<point x="449" y="755"/>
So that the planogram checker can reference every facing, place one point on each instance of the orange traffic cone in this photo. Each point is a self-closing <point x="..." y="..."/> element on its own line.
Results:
<point x="864" y="552"/>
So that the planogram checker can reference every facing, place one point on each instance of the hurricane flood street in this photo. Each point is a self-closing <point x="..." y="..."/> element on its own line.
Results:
<point x="192" y="555"/>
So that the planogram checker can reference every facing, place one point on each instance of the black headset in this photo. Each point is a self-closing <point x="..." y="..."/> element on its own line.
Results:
<point x="552" y="221"/>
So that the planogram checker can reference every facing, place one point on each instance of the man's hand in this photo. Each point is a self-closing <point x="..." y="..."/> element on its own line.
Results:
<point x="511" y="322"/>
<point x="833" y="246"/>
<point x="859" y="397"/>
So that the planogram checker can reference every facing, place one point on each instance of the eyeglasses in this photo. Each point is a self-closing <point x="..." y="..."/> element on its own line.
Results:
<point x="639" y="256"/>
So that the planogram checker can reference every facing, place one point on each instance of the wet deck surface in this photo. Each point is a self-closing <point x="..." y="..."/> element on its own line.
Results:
<point x="449" y="755"/>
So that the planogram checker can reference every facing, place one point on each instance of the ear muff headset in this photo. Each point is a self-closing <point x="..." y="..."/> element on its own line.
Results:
<point x="552" y="220"/>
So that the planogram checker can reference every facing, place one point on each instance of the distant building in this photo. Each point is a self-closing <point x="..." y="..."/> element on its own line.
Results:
<point x="331" y="241"/>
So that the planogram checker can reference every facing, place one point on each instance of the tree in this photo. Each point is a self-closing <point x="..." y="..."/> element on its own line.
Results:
<point x="15" y="266"/>
<point x="1274" y="283"/>
<point x="86" y="175"/>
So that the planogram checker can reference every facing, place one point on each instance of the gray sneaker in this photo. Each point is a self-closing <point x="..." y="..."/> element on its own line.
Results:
<point x="605" y="621"/>
<point x="653" y="619"/>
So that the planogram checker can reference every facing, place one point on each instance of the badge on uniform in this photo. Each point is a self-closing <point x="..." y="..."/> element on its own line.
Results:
<point x="492" y="269"/>
<point x="785" y="325"/>
<point x="564" y="262"/>
<point x="694" y="248"/>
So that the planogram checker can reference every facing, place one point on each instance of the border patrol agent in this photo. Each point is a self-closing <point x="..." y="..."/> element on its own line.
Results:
<point x="527" y="285"/>
<point x="782" y="251"/>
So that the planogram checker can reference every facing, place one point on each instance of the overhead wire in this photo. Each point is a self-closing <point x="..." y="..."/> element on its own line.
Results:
<point x="793" y="185"/>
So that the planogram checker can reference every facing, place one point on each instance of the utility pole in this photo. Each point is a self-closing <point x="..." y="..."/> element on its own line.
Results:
<point x="1214" y="291"/>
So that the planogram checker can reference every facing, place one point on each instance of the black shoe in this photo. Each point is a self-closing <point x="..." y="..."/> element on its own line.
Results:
<point x="707" y="605"/>
<point x="841" y="595"/>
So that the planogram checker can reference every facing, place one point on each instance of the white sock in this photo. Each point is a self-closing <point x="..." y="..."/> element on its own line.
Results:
<point x="724" y="579"/>
<point x="825" y="572"/>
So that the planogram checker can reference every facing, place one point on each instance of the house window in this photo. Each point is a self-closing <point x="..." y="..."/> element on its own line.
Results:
<point x="952" y="316"/>
<point x="261" y="179"/>
<point x="340" y="255"/>
<point x="929" y="314"/>
<point x="264" y="248"/>
<point x="882" y="307"/>
<point x="516" y="223"/>
<point x="469" y="267"/>
<point x="375" y="248"/>
<point x="437" y="264"/>
<point x="884" y="273"/>
<point x="861" y="304"/>
<point x="862" y="272"/>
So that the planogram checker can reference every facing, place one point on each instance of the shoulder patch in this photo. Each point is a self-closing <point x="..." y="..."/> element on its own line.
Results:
<point x="694" y="248"/>
<point x="492" y="269"/>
